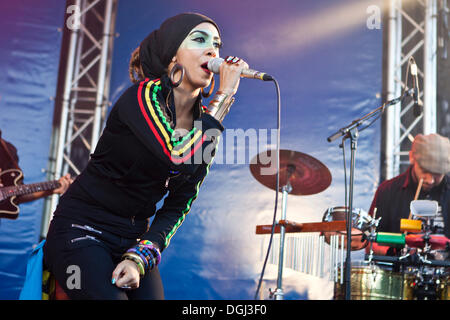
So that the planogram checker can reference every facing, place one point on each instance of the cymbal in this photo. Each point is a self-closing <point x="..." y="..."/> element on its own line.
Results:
<point x="305" y="174"/>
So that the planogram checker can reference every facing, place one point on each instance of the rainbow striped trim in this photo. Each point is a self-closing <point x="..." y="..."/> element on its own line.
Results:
<point x="177" y="152"/>
<point x="189" y="203"/>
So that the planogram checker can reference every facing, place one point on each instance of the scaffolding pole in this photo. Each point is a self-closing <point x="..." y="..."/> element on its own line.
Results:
<point x="411" y="32"/>
<point x="84" y="96"/>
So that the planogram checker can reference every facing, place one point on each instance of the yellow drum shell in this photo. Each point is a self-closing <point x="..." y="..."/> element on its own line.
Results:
<point x="375" y="283"/>
<point x="372" y="283"/>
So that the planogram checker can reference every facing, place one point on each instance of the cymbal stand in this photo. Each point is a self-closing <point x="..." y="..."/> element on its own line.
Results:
<point x="286" y="189"/>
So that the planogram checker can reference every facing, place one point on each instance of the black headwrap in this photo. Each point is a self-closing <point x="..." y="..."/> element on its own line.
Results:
<point x="160" y="46"/>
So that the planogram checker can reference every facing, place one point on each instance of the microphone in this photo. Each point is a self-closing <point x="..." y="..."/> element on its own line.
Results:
<point x="214" y="65"/>
<point x="418" y="104"/>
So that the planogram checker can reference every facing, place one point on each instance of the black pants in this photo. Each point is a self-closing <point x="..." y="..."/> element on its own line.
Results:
<point x="82" y="259"/>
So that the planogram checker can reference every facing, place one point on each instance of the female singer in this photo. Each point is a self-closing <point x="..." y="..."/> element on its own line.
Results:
<point x="159" y="139"/>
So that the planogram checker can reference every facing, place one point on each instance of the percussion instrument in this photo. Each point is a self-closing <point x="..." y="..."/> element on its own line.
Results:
<point x="370" y="281"/>
<point x="359" y="218"/>
<point x="378" y="281"/>
<point x="436" y="242"/>
<point x="305" y="174"/>
<point x="420" y="272"/>
<point x="426" y="284"/>
<point x="424" y="276"/>
<point x="299" y="174"/>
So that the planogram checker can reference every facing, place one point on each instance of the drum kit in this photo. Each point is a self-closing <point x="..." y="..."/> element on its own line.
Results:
<point x="421" y="270"/>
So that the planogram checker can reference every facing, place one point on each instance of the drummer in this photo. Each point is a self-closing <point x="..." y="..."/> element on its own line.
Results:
<point x="430" y="161"/>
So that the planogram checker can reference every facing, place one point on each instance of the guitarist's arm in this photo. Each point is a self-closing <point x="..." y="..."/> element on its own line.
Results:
<point x="64" y="181"/>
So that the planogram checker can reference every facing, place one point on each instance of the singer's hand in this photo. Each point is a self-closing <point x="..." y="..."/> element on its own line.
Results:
<point x="230" y="74"/>
<point x="126" y="275"/>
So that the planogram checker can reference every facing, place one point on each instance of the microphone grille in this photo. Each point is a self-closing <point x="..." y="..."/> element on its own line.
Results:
<point x="214" y="64"/>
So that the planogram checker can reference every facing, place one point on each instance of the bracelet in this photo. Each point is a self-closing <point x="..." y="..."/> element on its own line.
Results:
<point x="136" y="259"/>
<point x="147" y="252"/>
<point x="135" y="251"/>
<point x="220" y="105"/>
<point x="141" y="255"/>
<point x="150" y="246"/>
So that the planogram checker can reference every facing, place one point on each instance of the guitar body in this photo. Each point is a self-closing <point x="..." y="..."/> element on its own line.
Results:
<point x="12" y="187"/>
<point x="8" y="206"/>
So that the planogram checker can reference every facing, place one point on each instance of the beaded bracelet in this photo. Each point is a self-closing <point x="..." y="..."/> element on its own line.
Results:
<point x="141" y="255"/>
<point x="138" y="260"/>
<point x="150" y="246"/>
<point x="148" y="252"/>
<point x="145" y="255"/>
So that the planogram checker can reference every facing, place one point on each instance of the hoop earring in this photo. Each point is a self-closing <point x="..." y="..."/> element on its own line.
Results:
<point x="211" y="89"/>
<point x="176" y="67"/>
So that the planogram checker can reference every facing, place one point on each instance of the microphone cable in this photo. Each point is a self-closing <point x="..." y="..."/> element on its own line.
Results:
<point x="277" y="186"/>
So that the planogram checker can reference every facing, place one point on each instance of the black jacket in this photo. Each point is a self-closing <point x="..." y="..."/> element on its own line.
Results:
<point x="138" y="159"/>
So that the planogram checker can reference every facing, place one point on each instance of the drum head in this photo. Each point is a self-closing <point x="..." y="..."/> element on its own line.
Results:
<point x="339" y="214"/>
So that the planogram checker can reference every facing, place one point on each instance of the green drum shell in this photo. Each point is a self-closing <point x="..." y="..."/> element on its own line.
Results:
<point x="371" y="283"/>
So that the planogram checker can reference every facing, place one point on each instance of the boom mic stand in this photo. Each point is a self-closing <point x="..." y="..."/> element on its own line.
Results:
<point x="351" y="132"/>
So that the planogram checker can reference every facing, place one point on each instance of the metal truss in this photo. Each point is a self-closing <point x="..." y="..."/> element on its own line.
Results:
<point x="411" y="32"/>
<point x="84" y="90"/>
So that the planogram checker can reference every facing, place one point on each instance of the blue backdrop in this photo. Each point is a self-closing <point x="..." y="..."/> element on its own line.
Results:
<point x="326" y="56"/>
<point x="29" y="54"/>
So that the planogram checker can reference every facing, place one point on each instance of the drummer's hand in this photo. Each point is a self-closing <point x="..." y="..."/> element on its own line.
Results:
<point x="230" y="74"/>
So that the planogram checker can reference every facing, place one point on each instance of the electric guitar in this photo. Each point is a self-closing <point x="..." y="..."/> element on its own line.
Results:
<point x="10" y="179"/>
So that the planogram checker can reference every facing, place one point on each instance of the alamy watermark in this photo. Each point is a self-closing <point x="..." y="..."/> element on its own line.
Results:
<point x="374" y="19"/>
<point x="233" y="146"/>
<point x="74" y="279"/>
<point x="73" y="22"/>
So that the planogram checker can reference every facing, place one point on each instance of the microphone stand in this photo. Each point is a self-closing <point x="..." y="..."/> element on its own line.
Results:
<point x="351" y="132"/>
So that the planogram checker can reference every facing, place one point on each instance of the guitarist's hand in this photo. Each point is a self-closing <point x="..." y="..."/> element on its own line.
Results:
<point x="65" y="182"/>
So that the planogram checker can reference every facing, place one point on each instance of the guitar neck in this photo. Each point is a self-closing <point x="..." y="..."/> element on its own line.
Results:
<point x="29" y="188"/>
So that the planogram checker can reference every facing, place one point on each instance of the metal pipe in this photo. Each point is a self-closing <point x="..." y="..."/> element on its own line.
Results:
<point x="430" y="66"/>
<point x="342" y="258"/>
<point x="335" y="266"/>
<point x="101" y="97"/>
<point x="279" y="294"/>
<point x="332" y="238"/>
<point x="62" y="130"/>
<point x="310" y="254"/>
<point x="75" y="94"/>
<point x="322" y="255"/>
<point x="303" y="253"/>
